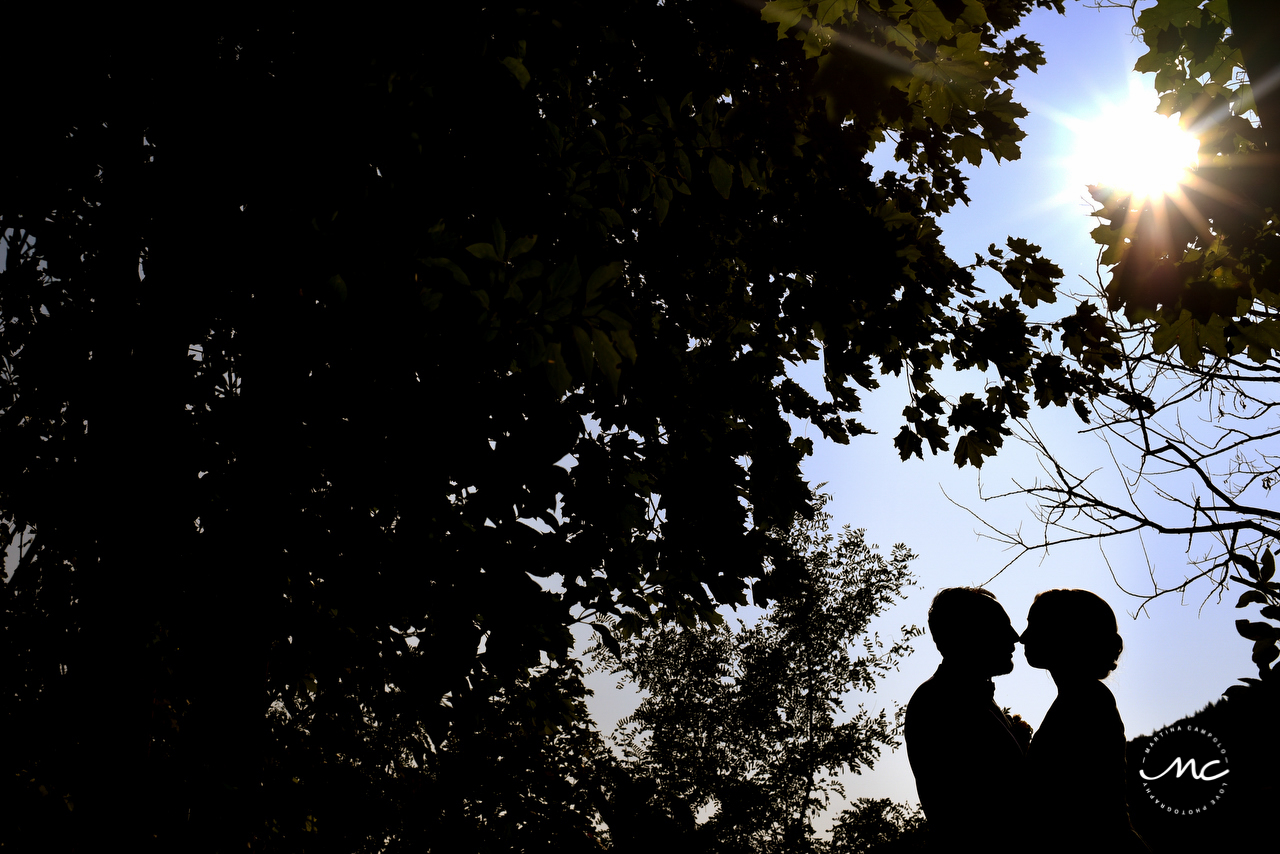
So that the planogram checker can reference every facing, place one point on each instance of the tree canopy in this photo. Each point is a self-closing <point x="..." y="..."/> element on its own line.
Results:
<point x="325" y="335"/>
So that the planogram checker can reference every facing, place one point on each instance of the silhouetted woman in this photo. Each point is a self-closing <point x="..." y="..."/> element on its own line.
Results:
<point x="1076" y="764"/>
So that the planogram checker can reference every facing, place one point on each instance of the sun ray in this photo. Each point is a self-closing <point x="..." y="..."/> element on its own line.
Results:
<point x="1192" y="213"/>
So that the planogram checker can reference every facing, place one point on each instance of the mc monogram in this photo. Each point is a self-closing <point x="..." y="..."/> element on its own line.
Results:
<point x="1202" y="774"/>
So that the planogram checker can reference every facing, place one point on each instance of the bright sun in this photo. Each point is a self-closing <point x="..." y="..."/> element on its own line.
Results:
<point x="1132" y="148"/>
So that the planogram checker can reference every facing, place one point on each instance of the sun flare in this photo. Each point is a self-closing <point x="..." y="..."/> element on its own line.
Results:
<point x="1130" y="147"/>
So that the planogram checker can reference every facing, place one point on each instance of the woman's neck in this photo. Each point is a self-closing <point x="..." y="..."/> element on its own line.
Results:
<point x="1068" y="680"/>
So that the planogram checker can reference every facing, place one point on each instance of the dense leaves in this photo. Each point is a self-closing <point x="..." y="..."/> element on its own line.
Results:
<point x="321" y="334"/>
<point x="1197" y="265"/>
<point x="879" y="826"/>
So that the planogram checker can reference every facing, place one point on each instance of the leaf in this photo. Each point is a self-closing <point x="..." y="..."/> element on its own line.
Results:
<point x="1180" y="332"/>
<point x="1212" y="335"/>
<point x="1268" y="567"/>
<point x="969" y="147"/>
<point x="970" y="448"/>
<point x="557" y="371"/>
<point x="610" y="642"/>
<point x="664" y="109"/>
<point x="458" y="275"/>
<point x="974" y="13"/>
<point x="1249" y="564"/>
<point x="1265" y="652"/>
<point x="613" y="319"/>
<point x="721" y="175"/>
<point x="622" y="340"/>
<point x="928" y="21"/>
<point x="484" y="251"/>
<point x="908" y="444"/>
<point x="1113" y="240"/>
<point x="607" y="358"/>
<point x="661" y="206"/>
<point x="1251" y="596"/>
<point x="499" y="240"/>
<point x="786" y="13"/>
<point x="565" y="280"/>
<point x="585" y="350"/>
<point x="1166" y="13"/>
<point x="517" y="69"/>
<point x="894" y="218"/>
<point x="528" y="270"/>
<point x="600" y="277"/>
<point x="1257" y="631"/>
<point x="338" y="286"/>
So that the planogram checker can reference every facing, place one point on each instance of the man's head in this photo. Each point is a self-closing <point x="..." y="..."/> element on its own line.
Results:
<point x="971" y="630"/>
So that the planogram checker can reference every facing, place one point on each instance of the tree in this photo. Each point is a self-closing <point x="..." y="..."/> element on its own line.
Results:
<point x="879" y="826"/>
<point x="301" y="312"/>
<point x="505" y="781"/>
<point x="743" y="724"/>
<point x="1189" y="318"/>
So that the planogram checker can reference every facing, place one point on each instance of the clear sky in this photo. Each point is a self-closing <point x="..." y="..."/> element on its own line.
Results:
<point x="1178" y="658"/>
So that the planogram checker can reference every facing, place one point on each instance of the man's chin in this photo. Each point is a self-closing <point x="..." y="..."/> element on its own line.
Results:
<point x="1003" y="667"/>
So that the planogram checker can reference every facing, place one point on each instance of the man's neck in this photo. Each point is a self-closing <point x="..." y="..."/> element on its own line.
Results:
<point x="962" y="671"/>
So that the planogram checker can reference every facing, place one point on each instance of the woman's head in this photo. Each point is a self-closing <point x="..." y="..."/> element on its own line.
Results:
<point x="1072" y="632"/>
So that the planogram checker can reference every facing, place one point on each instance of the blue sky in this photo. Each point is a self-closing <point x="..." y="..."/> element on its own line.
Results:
<point x="1179" y="656"/>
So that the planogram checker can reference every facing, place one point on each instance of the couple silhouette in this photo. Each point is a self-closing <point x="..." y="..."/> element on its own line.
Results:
<point x="983" y="780"/>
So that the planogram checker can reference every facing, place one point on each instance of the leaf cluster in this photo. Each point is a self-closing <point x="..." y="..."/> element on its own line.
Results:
<point x="1266" y="592"/>
<point x="880" y="826"/>
<point x="1197" y="265"/>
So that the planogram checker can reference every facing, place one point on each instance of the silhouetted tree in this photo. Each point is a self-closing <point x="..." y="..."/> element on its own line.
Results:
<point x="879" y="826"/>
<point x="506" y="780"/>
<point x="300" y="310"/>
<point x="742" y="725"/>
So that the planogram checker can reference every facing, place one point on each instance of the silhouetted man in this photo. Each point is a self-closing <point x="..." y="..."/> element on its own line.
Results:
<point x="966" y="760"/>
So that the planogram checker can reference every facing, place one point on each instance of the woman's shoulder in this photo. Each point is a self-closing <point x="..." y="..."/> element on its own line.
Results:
<point x="1093" y="703"/>
<point x="1097" y="692"/>
<point x="1088" y="692"/>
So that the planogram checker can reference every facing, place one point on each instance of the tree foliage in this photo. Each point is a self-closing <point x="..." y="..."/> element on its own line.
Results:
<point x="301" y="312"/>
<point x="744" y="728"/>
<point x="1189" y="316"/>
<point x="879" y="826"/>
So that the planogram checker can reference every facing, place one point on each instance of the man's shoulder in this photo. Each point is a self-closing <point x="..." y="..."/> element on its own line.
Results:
<point x="942" y="688"/>
<point x="935" y="699"/>
<point x="930" y="691"/>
